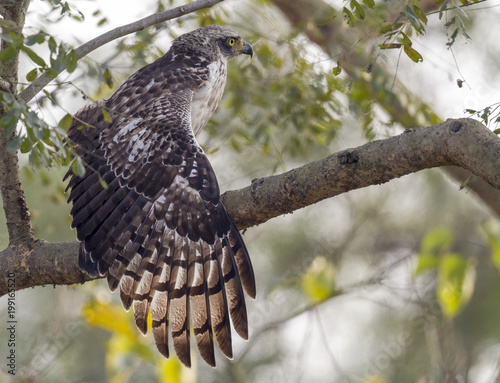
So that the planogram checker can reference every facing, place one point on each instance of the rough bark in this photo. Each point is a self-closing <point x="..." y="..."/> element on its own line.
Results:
<point x="21" y="234"/>
<point x="464" y="143"/>
<point x="325" y="26"/>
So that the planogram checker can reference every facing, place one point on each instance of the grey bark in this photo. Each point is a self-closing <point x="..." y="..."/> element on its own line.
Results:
<point x="465" y="143"/>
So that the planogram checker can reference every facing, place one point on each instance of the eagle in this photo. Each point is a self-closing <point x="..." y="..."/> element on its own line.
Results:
<point x="147" y="209"/>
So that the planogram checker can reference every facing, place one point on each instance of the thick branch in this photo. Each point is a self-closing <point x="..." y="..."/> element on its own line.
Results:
<point x="47" y="264"/>
<point x="465" y="143"/>
<point x="314" y="18"/>
<point x="37" y="85"/>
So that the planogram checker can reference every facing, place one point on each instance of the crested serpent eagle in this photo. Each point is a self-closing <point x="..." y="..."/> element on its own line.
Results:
<point x="147" y="211"/>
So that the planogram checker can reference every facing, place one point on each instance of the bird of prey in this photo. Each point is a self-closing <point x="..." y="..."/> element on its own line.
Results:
<point x="147" y="211"/>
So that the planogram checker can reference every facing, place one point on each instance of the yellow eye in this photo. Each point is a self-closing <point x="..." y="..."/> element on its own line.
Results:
<point x="230" y="41"/>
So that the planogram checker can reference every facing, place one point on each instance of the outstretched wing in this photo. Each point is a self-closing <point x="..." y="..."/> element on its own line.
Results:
<point x="158" y="229"/>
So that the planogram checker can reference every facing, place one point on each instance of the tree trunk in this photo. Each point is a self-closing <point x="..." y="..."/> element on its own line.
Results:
<point x="21" y="236"/>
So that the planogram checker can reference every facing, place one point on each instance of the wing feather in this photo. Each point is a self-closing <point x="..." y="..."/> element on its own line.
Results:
<point x="160" y="303"/>
<point x="200" y="303"/>
<point x="180" y="301"/>
<point x="158" y="229"/>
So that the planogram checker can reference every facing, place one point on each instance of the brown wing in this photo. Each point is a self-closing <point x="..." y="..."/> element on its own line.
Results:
<point x="159" y="229"/>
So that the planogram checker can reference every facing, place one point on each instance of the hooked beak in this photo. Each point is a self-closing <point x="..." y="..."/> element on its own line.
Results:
<point x="247" y="49"/>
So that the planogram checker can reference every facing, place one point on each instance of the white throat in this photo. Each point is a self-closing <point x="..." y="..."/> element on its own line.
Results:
<point x="207" y="97"/>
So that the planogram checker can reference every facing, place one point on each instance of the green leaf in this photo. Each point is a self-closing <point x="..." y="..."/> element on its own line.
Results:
<point x="106" y="116"/>
<point x="337" y="70"/>
<point x="52" y="45"/>
<point x="442" y="9"/>
<point x="413" y="54"/>
<point x="38" y="38"/>
<point x="10" y="117"/>
<point x="103" y="183"/>
<point x="77" y="167"/>
<point x="425" y="261"/>
<point x="7" y="53"/>
<point x="108" y="79"/>
<point x="31" y="75"/>
<point x="34" y="57"/>
<point x="25" y="146"/>
<point x="437" y="240"/>
<point x="65" y="122"/>
<point x="72" y="61"/>
<point x="369" y="3"/>
<point x="348" y="16"/>
<point x="51" y="73"/>
<point x="420" y="14"/>
<point x="456" y="277"/>
<point x="412" y="17"/>
<point x="405" y="40"/>
<point x="465" y="183"/>
<point x="103" y="21"/>
<point x="358" y="9"/>
<point x="385" y="28"/>
<point x="318" y="283"/>
<point x="390" y="46"/>
<point x="59" y="62"/>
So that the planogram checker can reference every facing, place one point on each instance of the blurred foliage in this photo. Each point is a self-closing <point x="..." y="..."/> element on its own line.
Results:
<point x="47" y="199"/>
<point x="285" y="110"/>
<point x="318" y="282"/>
<point x="127" y="346"/>
<point x="348" y="262"/>
<point x="455" y="272"/>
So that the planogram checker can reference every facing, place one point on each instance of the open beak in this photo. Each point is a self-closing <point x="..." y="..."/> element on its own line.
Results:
<point x="247" y="49"/>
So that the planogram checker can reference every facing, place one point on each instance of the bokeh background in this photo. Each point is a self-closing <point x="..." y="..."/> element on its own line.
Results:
<point x="392" y="283"/>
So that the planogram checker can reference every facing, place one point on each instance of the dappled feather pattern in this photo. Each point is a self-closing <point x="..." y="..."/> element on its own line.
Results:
<point x="147" y="210"/>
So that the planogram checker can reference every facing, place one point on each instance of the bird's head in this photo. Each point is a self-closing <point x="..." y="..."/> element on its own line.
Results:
<point x="213" y="42"/>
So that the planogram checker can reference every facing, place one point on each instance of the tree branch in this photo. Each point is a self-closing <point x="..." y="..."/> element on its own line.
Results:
<point x="37" y="85"/>
<point x="463" y="142"/>
<point x="314" y="18"/>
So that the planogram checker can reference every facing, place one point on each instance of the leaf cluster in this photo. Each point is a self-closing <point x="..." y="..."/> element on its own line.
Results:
<point x="284" y="102"/>
<point x="489" y="115"/>
<point x="411" y="19"/>
<point x="45" y="145"/>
